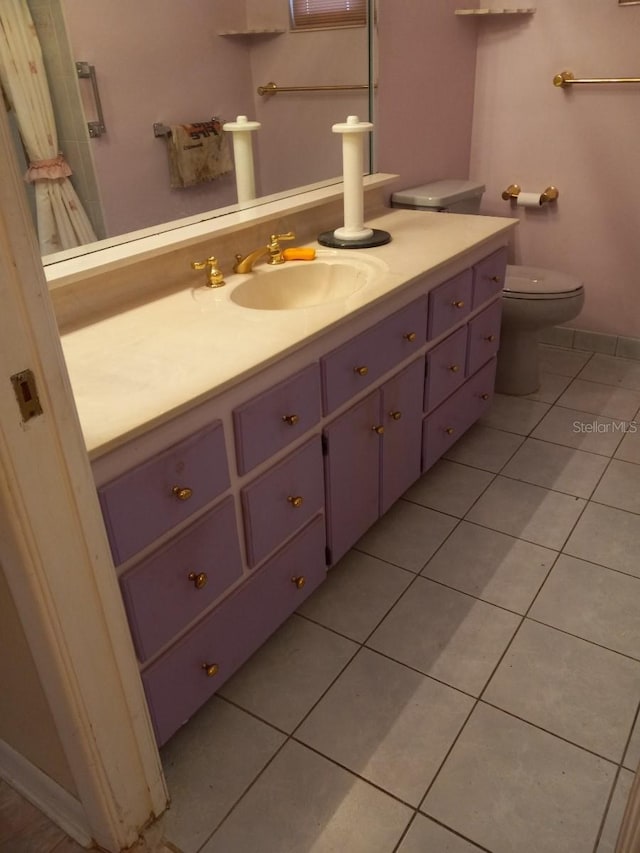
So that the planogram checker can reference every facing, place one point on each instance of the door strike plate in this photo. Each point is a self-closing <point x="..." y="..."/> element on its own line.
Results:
<point x="24" y="387"/>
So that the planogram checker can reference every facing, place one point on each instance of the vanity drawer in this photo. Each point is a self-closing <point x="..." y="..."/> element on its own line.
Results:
<point x="479" y="391"/>
<point x="144" y="503"/>
<point x="483" y="337"/>
<point x="445" y="369"/>
<point x="178" y="683"/>
<point x="352" y="367"/>
<point x="449" y="303"/>
<point x="276" y="417"/>
<point x="167" y="591"/>
<point x="489" y="277"/>
<point x="280" y="501"/>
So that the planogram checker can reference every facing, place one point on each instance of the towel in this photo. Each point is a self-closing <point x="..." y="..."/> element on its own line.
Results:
<point x="198" y="153"/>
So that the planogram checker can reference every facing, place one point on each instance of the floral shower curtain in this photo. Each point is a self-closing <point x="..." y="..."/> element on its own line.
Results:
<point x="61" y="219"/>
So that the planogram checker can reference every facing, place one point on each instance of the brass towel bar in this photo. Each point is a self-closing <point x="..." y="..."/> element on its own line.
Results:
<point x="273" y="88"/>
<point x="566" y="78"/>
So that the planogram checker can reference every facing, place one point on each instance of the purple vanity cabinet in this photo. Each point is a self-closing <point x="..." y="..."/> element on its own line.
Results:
<point x="489" y="277"/>
<point x="445" y="368"/>
<point x="449" y="303"/>
<point x="402" y="419"/>
<point x="484" y="337"/>
<point x="352" y="454"/>
<point x="192" y="670"/>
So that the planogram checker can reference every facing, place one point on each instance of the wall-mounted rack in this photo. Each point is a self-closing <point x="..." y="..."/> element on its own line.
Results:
<point x="522" y="11"/>
<point x="566" y="79"/>
<point x="273" y="89"/>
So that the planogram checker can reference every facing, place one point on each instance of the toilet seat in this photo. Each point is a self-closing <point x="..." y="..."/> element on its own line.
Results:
<point x="535" y="283"/>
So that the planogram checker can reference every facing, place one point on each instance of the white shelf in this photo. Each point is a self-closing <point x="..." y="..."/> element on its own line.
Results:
<point x="253" y="32"/>
<point x="525" y="11"/>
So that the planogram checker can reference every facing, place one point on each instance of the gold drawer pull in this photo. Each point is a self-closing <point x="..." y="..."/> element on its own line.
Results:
<point x="182" y="492"/>
<point x="199" y="579"/>
<point x="495" y="278"/>
<point x="292" y="420"/>
<point x="410" y="336"/>
<point x="361" y="371"/>
<point x="458" y="303"/>
<point x="484" y="396"/>
<point x="211" y="669"/>
<point x="395" y="415"/>
<point x="379" y="430"/>
<point x="454" y="368"/>
<point x="449" y="430"/>
<point x="299" y="581"/>
<point x="490" y="338"/>
<point x="295" y="501"/>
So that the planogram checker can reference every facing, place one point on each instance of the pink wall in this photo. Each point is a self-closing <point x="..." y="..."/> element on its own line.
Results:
<point x="157" y="61"/>
<point x="584" y="140"/>
<point x="425" y="95"/>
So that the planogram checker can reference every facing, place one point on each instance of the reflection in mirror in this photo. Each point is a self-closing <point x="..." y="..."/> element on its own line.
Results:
<point x="158" y="61"/>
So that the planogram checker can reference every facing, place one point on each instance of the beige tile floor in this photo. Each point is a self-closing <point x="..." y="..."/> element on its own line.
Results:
<point x="468" y="678"/>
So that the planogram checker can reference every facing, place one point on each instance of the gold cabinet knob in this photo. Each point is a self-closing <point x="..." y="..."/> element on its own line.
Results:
<point x="449" y="430"/>
<point x="495" y="278"/>
<point x="199" y="580"/>
<point x="490" y="338"/>
<point x="182" y="492"/>
<point x="361" y="371"/>
<point x="484" y="396"/>
<point x="299" y="581"/>
<point x="292" y="420"/>
<point x="295" y="500"/>
<point x="379" y="430"/>
<point x="395" y="415"/>
<point x="211" y="669"/>
<point x="409" y="336"/>
<point x="458" y="303"/>
<point x="454" y="368"/>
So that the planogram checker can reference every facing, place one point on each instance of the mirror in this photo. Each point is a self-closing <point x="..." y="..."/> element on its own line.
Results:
<point x="157" y="61"/>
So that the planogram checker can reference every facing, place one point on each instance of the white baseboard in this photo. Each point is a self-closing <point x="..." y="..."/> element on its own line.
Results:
<point x="45" y="794"/>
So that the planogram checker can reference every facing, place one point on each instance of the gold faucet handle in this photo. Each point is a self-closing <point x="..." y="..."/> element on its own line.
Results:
<point x="215" y="277"/>
<point x="275" y="252"/>
<point x="275" y="238"/>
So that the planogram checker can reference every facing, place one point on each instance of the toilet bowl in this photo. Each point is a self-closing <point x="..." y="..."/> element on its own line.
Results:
<point x="532" y="298"/>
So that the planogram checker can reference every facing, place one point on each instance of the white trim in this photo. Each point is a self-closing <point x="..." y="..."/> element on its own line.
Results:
<point x="45" y="794"/>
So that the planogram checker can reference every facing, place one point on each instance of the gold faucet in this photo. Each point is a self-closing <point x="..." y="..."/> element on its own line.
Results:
<point x="215" y="277"/>
<point x="274" y="251"/>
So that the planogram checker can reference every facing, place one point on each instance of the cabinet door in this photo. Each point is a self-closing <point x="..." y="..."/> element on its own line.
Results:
<point x="352" y="474"/>
<point x="402" y="419"/>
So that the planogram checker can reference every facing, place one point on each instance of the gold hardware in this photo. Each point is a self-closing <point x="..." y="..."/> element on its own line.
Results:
<point x="24" y="387"/>
<point x="410" y="336"/>
<point x="361" y="371"/>
<point x="458" y="303"/>
<point x="566" y="79"/>
<point x="449" y="430"/>
<point x="454" y="368"/>
<point x="511" y="192"/>
<point x="296" y="501"/>
<point x="243" y="265"/>
<point x="484" y="396"/>
<point x="215" y="277"/>
<point x="292" y="420"/>
<point x="379" y="430"/>
<point x="490" y="338"/>
<point x="182" y="492"/>
<point x="211" y="669"/>
<point x="199" y="580"/>
<point x="395" y="415"/>
<point x="299" y="581"/>
<point x="495" y="278"/>
<point x="272" y="88"/>
<point x="549" y="195"/>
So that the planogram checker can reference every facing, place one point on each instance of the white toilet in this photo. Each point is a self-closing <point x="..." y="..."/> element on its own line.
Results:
<point x="532" y="298"/>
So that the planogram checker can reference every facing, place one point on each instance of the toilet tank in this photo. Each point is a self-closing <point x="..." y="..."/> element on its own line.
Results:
<point x="452" y="196"/>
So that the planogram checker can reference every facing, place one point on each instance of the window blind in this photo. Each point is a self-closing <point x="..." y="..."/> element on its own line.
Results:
<point x="309" y="14"/>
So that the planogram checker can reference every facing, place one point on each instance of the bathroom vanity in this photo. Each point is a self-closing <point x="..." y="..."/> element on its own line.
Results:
<point x="239" y="453"/>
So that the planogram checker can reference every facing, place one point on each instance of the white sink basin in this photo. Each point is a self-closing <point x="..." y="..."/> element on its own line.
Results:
<point x="305" y="284"/>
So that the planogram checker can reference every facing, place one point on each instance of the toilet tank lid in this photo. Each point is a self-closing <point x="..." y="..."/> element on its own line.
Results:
<point x="439" y="193"/>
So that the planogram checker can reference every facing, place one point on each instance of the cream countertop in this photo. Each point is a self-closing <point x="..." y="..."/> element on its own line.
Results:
<point x="147" y="363"/>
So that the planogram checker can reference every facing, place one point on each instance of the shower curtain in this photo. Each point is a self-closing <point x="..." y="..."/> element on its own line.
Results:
<point x="61" y="220"/>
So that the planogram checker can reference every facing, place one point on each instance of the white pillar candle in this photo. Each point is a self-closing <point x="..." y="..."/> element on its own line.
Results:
<point x="242" y="129"/>
<point x="352" y="135"/>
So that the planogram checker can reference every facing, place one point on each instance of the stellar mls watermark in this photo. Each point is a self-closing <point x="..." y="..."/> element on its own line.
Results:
<point x="601" y="427"/>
